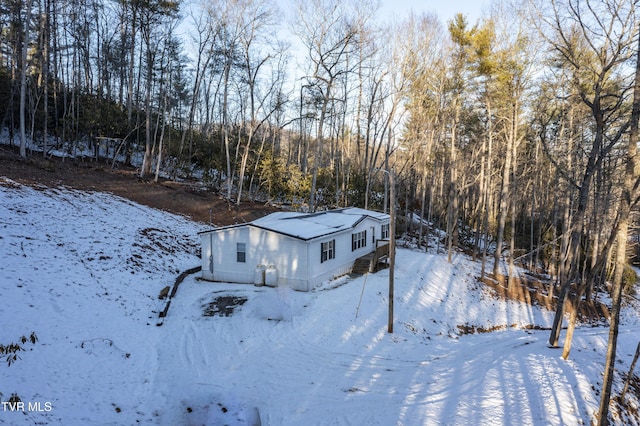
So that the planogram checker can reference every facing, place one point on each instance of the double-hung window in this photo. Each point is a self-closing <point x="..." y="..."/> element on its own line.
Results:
<point x="327" y="250"/>
<point x="385" y="231"/>
<point x="358" y="240"/>
<point x="241" y="252"/>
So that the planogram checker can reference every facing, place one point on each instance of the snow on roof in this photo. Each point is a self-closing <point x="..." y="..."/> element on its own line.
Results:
<point x="306" y="226"/>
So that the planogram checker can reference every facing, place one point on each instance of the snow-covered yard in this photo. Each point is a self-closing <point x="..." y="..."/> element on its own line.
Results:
<point x="83" y="272"/>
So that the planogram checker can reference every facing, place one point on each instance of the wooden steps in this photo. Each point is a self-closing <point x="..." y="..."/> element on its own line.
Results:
<point x="362" y="265"/>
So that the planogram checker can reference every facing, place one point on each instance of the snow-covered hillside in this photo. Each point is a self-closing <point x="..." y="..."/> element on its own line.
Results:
<point x="83" y="272"/>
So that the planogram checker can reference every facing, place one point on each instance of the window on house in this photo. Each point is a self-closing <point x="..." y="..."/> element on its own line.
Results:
<point x="358" y="240"/>
<point x="385" y="232"/>
<point x="241" y="253"/>
<point x="327" y="250"/>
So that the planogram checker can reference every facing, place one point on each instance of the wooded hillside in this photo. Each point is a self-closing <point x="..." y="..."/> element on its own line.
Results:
<point x="516" y="134"/>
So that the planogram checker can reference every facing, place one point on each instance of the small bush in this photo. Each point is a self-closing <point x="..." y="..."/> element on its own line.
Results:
<point x="11" y="350"/>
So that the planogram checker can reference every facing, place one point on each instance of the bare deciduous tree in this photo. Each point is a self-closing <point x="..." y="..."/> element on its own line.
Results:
<point x="593" y="41"/>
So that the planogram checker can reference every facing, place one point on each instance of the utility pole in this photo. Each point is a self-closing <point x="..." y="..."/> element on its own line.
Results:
<point x="392" y="243"/>
<point x="392" y="240"/>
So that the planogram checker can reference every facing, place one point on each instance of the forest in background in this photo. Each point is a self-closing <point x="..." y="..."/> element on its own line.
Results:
<point x="516" y="134"/>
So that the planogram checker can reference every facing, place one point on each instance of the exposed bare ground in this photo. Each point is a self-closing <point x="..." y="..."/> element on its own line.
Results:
<point x="190" y="199"/>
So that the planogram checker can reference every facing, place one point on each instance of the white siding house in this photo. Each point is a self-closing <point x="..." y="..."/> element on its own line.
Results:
<point x="298" y="250"/>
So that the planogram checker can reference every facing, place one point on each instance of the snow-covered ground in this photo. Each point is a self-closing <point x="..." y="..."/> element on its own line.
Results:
<point x="83" y="272"/>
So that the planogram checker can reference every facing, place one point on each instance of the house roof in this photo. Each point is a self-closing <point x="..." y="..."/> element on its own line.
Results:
<point x="307" y="226"/>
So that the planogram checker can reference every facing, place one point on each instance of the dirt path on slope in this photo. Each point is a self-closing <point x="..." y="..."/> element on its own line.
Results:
<point x="186" y="198"/>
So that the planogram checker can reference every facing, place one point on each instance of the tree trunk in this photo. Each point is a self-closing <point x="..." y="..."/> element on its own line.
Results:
<point x="452" y="211"/>
<point x="225" y="125"/>
<point x="46" y="35"/>
<point x="630" y="374"/>
<point x="630" y="184"/>
<point x="318" y="154"/>
<point x="488" y="187"/>
<point x="512" y="245"/>
<point x="574" y="306"/>
<point x="616" y="300"/>
<point x="503" y="211"/>
<point x="23" y="80"/>
<point x="199" y="75"/>
<point x="567" y="226"/>
<point x="243" y="163"/>
<point x="132" y="55"/>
